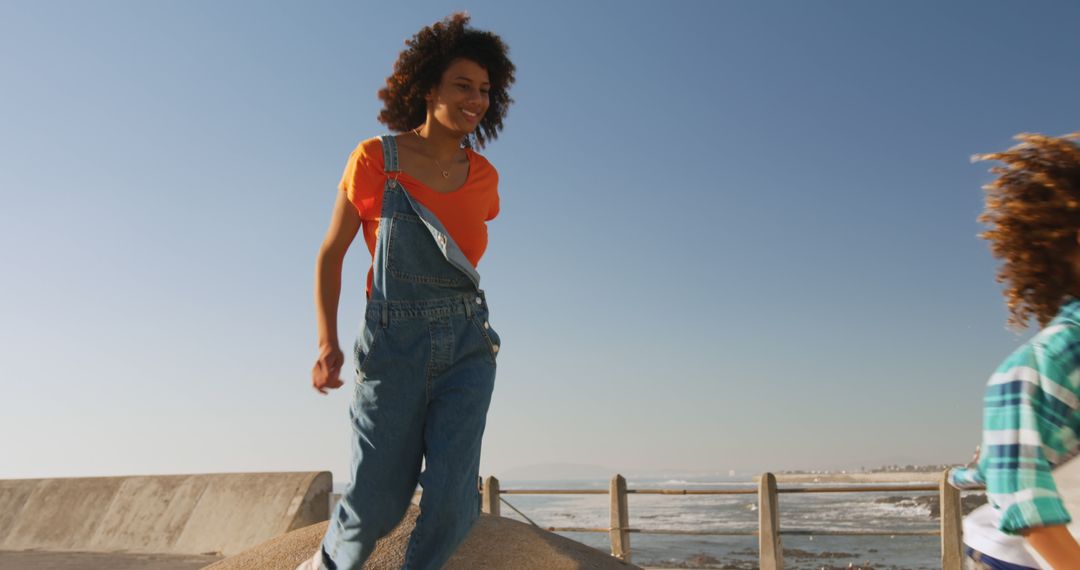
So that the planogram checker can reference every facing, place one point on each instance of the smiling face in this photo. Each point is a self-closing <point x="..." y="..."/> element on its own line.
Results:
<point x="461" y="98"/>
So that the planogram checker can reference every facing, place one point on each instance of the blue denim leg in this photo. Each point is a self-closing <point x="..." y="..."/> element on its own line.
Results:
<point x="387" y="415"/>
<point x="460" y="396"/>
<point x="984" y="562"/>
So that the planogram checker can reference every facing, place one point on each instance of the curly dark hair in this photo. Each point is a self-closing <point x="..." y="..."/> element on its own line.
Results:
<point x="421" y="65"/>
<point x="1033" y="214"/>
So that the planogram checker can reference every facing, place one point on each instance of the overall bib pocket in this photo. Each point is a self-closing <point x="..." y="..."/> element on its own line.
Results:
<point x="410" y="256"/>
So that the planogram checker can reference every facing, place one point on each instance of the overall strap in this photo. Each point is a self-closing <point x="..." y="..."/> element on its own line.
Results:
<point x="390" y="157"/>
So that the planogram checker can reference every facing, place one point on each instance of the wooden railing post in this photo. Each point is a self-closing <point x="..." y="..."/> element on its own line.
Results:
<point x="770" y="552"/>
<point x="951" y="526"/>
<point x="620" y="519"/>
<point x="490" y="493"/>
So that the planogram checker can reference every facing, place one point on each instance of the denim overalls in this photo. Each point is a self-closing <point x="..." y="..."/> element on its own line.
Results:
<point x="425" y="372"/>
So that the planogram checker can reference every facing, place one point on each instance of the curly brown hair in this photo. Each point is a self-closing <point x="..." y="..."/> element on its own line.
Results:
<point x="421" y="65"/>
<point x="1033" y="214"/>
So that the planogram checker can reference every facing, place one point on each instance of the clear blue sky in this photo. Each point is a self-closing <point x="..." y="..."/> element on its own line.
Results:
<point x="734" y="235"/>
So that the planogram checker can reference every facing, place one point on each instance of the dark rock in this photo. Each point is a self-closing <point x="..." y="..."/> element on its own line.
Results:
<point x="932" y="503"/>
<point x="701" y="559"/>
<point x="799" y="553"/>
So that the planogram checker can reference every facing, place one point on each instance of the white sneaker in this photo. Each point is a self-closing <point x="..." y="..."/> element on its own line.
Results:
<point x="313" y="563"/>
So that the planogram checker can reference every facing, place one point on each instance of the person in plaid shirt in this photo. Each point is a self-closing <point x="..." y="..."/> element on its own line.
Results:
<point x="1031" y="408"/>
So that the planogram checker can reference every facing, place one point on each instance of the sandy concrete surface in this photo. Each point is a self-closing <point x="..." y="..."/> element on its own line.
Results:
<point x="96" y="561"/>
<point x="495" y="543"/>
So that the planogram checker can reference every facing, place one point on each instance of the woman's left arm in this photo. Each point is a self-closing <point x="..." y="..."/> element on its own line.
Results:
<point x="1056" y="545"/>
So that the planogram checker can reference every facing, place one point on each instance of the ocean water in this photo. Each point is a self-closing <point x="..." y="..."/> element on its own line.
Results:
<point x="820" y="512"/>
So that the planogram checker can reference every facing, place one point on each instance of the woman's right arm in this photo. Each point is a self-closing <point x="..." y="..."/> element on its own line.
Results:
<point x="344" y="224"/>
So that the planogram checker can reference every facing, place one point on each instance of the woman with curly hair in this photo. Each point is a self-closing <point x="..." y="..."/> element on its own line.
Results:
<point x="426" y="354"/>
<point x="1031" y="409"/>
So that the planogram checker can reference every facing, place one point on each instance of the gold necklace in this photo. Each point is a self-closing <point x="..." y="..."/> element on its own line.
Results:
<point x="445" y="172"/>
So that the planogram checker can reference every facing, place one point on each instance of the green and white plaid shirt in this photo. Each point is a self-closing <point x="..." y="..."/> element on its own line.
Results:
<point x="1031" y="422"/>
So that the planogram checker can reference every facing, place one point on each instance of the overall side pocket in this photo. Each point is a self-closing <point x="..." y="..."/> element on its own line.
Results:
<point x="366" y="344"/>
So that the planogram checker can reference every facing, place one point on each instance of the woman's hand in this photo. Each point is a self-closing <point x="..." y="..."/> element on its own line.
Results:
<point x="974" y="458"/>
<point x="325" y="374"/>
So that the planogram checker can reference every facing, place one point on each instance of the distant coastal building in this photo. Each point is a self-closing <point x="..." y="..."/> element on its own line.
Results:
<point x="882" y="469"/>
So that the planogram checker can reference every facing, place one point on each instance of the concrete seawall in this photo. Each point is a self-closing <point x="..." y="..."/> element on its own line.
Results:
<point x="171" y="514"/>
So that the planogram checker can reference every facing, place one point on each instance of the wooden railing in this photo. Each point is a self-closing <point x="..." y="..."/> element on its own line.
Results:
<point x="771" y="553"/>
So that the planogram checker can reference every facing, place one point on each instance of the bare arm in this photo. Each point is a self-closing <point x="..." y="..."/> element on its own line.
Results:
<point x="1056" y="545"/>
<point x="344" y="224"/>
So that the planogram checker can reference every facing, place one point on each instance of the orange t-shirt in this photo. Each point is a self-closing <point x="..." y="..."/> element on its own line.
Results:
<point x="464" y="212"/>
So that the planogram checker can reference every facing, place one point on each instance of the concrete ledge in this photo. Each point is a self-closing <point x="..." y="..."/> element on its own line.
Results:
<point x="37" y="560"/>
<point x="170" y="514"/>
